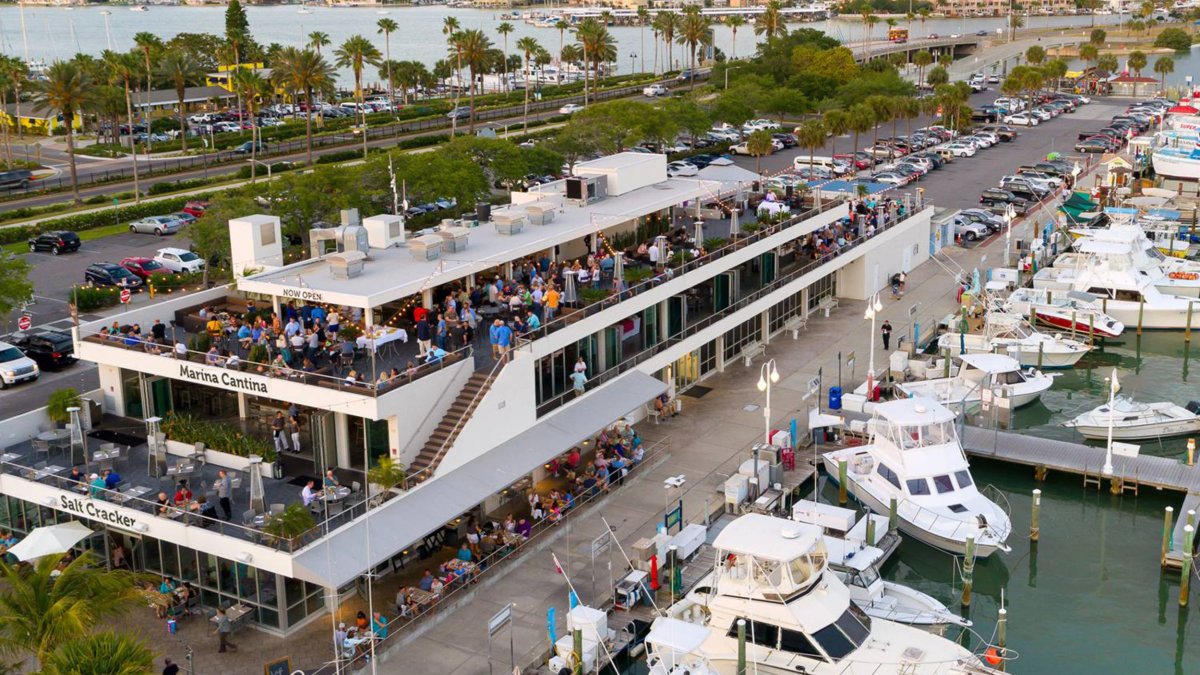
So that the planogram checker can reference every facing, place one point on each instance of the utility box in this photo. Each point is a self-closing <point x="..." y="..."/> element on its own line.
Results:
<point x="384" y="231"/>
<point x="255" y="242"/>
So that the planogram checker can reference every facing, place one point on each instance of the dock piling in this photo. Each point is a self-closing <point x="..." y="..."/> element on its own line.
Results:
<point x="1001" y="635"/>
<point x="1074" y="323"/>
<point x="1035" y="529"/>
<point x="1041" y="348"/>
<point x="870" y="529"/>
<point x="893" y="516"/>
<point x="577" y="650"/>
<point x="1186" y="573"/>
<point x="1091" y="328"/>
<point x="1191" y="456"/>
<point x="1187" y="330"/>
<point x="741" y="656"/>
<point x="842" y="481"/>
<point x="1168" y="519"/>
<point x="1141" y="313"/>
<point x="968" y="571"/>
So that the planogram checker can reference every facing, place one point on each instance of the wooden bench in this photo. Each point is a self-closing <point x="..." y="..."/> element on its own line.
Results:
<point x="795" y="324"/>
<point x="752" y="350"/>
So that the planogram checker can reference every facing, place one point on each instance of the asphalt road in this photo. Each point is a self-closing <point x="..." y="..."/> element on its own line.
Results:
<point x="955" y="186"/>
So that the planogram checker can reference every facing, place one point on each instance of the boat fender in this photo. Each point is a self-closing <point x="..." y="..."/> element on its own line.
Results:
<point x="1193" y="407"/>
<point x="637" y="650"/>
<point x="1187" y="276"/>
<point x="993" y="656"/>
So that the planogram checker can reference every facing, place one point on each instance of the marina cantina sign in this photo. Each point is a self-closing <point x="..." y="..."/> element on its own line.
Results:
<point x="223" y="378"/>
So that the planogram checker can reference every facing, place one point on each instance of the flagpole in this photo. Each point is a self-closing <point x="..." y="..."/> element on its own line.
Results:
<point x="392" y="183"/>
<point x="1107" y="470"/>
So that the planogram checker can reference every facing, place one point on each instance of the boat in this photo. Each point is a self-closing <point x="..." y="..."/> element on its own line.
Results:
<point x="857" y="561"/>
<point x="774" y="574"/>
<point x="1130" y="244"/>
<point x="914" y="457"/>
<point x="1179" y="163"/>
<point x="139" y="8"/>
<point x="978" y="373"/>
<point x="1074" y="310"/>
<point x="1011" y="334"/>
<point x="1132" y="421"/>
<point x="304" y="10"/>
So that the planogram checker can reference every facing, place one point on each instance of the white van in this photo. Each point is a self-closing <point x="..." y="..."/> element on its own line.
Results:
<point x="838" y="166"/>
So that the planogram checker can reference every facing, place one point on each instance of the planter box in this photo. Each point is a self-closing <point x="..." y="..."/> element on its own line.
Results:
<point x="217" y="458"/>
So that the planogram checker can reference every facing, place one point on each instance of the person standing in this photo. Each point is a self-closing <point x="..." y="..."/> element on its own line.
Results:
<point x="293" y="427"/>
<point x="169" y="668"/>
<point x="886" y="333"/>
<point x="225" y="493"/>
<point x="224" y="631"/>
<point x="903" y="279"/>
<point x="277" y="430"/>
<point x="424" y="335"/>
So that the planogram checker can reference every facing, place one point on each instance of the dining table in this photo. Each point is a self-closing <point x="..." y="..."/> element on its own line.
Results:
<point x="377" y="338"/>
<point x="420" y="598"/>
<point x="334" y="494"/>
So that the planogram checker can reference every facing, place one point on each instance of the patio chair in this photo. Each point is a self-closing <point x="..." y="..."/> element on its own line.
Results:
<point x="40" y="446"/>
<point x="277" y="509"/>
<point x="248" y="517"/>
<point x="355" y="488"/>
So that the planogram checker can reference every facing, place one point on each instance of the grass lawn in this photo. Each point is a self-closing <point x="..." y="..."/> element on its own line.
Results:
<point x="85" y="235"/>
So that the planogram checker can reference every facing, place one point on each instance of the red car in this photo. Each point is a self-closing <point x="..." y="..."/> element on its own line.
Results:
<point x="144" y="268"/>
<point x="195" y="208"/>
<point x="860" y="159"/>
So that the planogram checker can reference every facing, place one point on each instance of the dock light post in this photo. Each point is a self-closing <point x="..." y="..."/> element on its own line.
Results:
<point x="1113" y="388"/>
<point x="1009" y="216"/>
<point x="768" y="374"/>
<point x="874" y="307"/>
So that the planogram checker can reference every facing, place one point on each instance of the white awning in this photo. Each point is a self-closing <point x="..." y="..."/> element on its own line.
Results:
<point x="399" y="523"/>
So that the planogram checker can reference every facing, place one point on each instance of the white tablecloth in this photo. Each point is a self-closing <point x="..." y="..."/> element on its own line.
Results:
<point x="381" y="337"/>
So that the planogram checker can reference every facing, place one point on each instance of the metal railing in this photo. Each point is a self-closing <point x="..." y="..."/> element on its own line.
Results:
<point x="290" y="373"/>
<point x="559" y="400"/>
<point x="489" y="565"/>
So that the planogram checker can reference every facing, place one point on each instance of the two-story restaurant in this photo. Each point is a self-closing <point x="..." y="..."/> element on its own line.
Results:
<point x="689" y="284"/>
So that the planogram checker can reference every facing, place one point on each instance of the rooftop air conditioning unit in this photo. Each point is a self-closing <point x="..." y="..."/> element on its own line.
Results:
<point x="508" y="223"/>
<point x="384" y="231"/>
<point x="540" y="213"/>
<point x="347" y="264"/>
<point x="454" y="239"/>
<point x="586" y="189"/>
<point x="427" y="247"/>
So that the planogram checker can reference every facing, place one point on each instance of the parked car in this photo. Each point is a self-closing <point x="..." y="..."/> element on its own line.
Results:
<point x="144" y="267"/>
<point x="247" y="147"/>
<point x="861" y="160"/>
<point x="195" y="207"/>
<point x="892" y="178"/>
<point x="17" y="178"/>
<point x="570" y="109"/>
<point x="58" y="241"/>
<point x="960" y="149"/>
<point x="178" y="260"/>
<point x="50" y="349"/>
<point x="15" y="366"/>
<point x="110" y="274"/>
<point x="461" y="112"/>
<point x="1095" y="144"/>
<point x="156" y="225"/>
<point x="184" y="216"/>
<point x="681" y="169"/>
<point x="968" y="228"/>
<point x="993" y="221"/>
<point x="1022" y="119"/>
<point x="997" y="199"/>
<point x="655" y="90"/>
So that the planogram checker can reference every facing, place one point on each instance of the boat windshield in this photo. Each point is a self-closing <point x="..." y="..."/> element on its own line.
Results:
<point x="805" y="567"/>
<point x="843" y="636"/>
<point x="935" y="433"/>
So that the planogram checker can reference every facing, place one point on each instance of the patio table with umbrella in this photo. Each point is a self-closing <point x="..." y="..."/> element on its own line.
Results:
<point x="50" y="540"/>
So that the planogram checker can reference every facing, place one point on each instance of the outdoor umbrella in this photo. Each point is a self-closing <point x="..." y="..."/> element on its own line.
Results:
<point x="654" y="573"/>
<point x="49" y="540"/>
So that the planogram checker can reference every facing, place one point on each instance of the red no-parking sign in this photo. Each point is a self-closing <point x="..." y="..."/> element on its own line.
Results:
<point x="25" y="322"/>
<point x="125" y="296"/>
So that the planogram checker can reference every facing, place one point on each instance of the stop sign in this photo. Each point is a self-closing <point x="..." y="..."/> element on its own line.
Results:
<point x="24" y="322"/>
<point x="125" y="295"/>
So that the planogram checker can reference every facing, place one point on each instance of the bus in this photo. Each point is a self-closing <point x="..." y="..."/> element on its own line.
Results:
<point x="898" y="35"/>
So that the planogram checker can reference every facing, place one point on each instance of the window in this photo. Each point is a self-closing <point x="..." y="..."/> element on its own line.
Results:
<point x="761" y="634"/>
<point x="964" y="479"/>
<point x="798" y="643"/>
<point x="1011" y="377"/>
<point x="943" y="484"/>
<point x="889" y="475"/>
<point x="917" y="486"/>
<point x="834" y="642"/>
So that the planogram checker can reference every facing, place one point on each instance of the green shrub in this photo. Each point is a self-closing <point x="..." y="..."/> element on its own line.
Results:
<point x="1174" y="38"/>
<point x="87" y="221"/>
<point x="258" y="354"/>
<point x="590" y="295"/>
<point x="342" y="156"/>
<point x="174" y="186"/>
<point x="89" y="298"/>
<point x="186" y="428"/>
<point x="58" y="403"/>
<point x="349" y="332"/>
<point x="200" y="342"/>
<point x="170" y="282"/>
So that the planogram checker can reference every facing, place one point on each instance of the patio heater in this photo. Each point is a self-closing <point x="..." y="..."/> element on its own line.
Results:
<point x="619" y="271"/>
<point x="698" y="232"/>
<point x="156" y="448"/>
<point x="257" y="498"/>
<point x="661" y="242"/>
<point x="570" y="297"/>
<point x="77" y="438"/>
<point x="735" y="228"/>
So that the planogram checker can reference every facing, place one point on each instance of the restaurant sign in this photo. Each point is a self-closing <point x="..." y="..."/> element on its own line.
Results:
<point x="223" y="378"/>
<point x="302" y="294"/>
<point x="89" y="508"/>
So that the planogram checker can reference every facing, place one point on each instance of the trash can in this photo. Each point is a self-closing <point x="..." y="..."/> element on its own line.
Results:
<point x="835" y="398"/>
<point x="483" y="212"/>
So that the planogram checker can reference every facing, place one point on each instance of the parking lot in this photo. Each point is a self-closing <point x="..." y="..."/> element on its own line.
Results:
<point x="958" y="184"/>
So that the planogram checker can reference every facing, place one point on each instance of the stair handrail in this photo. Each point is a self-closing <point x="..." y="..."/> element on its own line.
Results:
<point x="420" y="476"/>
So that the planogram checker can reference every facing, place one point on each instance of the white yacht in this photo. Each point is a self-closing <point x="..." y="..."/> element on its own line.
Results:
<point x="1130" y="245"/>
<point x="1126" y="293"/>
<point x="773" y="573"/>
<point x="1011" y="334"/>
<point x="1072" y="310"/>
<point x="1133" y="421"/>
<point x="914" y="457"/>
<point x="979" y="373"/>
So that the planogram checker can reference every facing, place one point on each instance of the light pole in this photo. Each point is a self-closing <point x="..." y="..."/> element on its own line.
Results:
<point x="107" y="34"/>
<point x="1113" y="388"/>
<point x="1009" y="214"/>
<point x="874" y="307"/>
<point x="675" y="482"/>
<point x="632" y="62"/>
<point x="768" y="375"/>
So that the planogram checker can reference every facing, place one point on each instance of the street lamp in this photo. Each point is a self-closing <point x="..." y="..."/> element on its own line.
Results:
<point x="768" y="375"/>
<point x="1113" y="388"/>
<point x="1009" y="215"/>
<point x="107" y="34"/>
<point x="632" y="62"/>
<point x="874" y="307"/>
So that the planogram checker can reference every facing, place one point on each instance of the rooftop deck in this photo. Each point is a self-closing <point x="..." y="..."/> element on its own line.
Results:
<point x="140" y="486"/>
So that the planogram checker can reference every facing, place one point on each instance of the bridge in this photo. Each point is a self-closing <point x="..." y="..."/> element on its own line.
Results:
<point x="959" y="46"/>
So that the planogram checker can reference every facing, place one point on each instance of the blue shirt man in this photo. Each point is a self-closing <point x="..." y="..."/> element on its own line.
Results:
<point x="504" y="335"/>
<point x="112" y="479"/>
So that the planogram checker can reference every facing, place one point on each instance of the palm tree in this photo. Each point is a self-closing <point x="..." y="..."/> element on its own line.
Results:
<point x="924" y="14"/>
<point x="1107" y="63"/>
<point x="811" y="135"/>
<point x="1136" y="62"/>
<point x="760" y="143"/>
<point x="355" y="53"/>
<point x="306" y="71"/>
<point x="148" y="43"/>
<point x="106" y="653"/>
<point x="562" y="26"/>
<point x="317" y="39"/>
<point x="588" y="33"/>
<point x="869" y="21"/>
<point x="251" y="86"/>
<point x="17" y="72"/>
<point x="643" y="15"/>
<point x="473" y="45"/>
<point x="667" y="24"/>
<point x="527" y="46"/>
<point x="450" y="28"/>
<point x="386" y="27"/>
<point x="693" y="32"/>
<point x="122" y="69"/>
<point x="65" y="90"/>
<point x="504" y="29"/>
<point x="180" y="69"/>
<point x="1164" y="66"/>
<point x="734" y="21"/>
<point x="770" y="23"/>
<point x="1035" y="55"/>
<point x="409" y="75"/>
<point x="922" y="60"/>
<point x="1088" y="52"/>
<point x="837" y="122"/>
<point x="881" y="107"/>
<point x="41" y="611"/>
<point x="861" y="119"/>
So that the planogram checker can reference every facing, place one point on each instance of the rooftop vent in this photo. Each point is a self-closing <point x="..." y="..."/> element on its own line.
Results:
<point x="426" y="247"/>
<point x="508" y="222"/>
<point x="347" y="264"/>
<point x="540" y="213"/>
<point x="454" y="239"/>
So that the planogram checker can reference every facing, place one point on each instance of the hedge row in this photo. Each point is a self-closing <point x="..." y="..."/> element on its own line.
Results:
<point x="87" y="221"/>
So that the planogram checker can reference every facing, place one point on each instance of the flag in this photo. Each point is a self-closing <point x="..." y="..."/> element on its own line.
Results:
<point x="572" y="600"/>
<point x="551" y="629"/>
<point x="1116" y="386"/>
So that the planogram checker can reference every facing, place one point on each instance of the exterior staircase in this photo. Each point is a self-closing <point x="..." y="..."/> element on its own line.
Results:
<point x="448" y="429"/>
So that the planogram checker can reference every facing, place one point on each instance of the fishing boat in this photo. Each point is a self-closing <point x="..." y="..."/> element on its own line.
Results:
<point x="979" y="373"/>
<point x="139" y="8"/>
<point x="1133" y="421"/>
<point x="1180" y="163"/>
<point x="774" y="574"/>
<point x="1011" y="334"/>
<point x="1129" y="241"/>
<point x="914" y="457"/>
<point x="856" y="562"/>
<point x="1073" y="310"/>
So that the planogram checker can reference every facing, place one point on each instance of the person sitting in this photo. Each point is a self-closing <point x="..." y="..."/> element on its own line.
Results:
<point x="163" y="504"/>
<point x="183" y="495"/>
<point x="664" y="406"/>
<point x="76" y="475"/>
<point x="181" y="351"/>
<point x="331" y="480"/>
<point x="97" y="487"/>
<point x="361" y="623"/>
<point x="379" y="626"/>
<point x="510" y="525"/>
<point x="213" y="357"/>
<point x="112" y="479"/>
<point x="404" y="604"/>
<point x="464" y="553"/>
<point x="426" y="582"/>
<point x="307" y="495"/>
<point x="435" y="355"/>
<point x="207" y="511"/>
<point x="524" y="528"/>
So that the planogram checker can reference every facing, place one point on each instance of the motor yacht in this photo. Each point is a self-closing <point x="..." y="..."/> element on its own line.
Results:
<point x="1011" y="334"/>
<point x="1073" y="310"/>
<point x="773" y="573"/>
<point x="996" y="374"/>
<point x="1131" y="421"/>
<point x="1131" y="245"/>
<point x="914" y="457"/>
